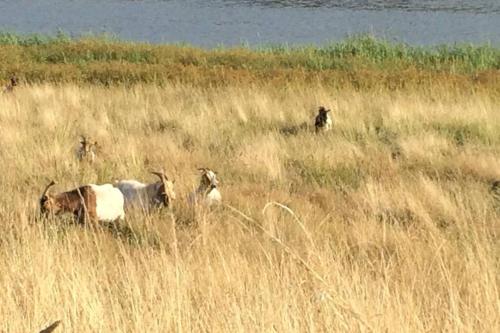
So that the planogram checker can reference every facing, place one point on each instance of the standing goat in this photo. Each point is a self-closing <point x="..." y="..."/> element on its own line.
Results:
<point x="10" y="87"/>
<point x="147" y="196"/>
<point x="88" y="203"/>
<point x="207" y="192"/>
<point x="86" y="150"/>
<point x="323" y="121"/>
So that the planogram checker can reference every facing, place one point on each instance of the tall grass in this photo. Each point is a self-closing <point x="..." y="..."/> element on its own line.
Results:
<point x="385" y="224"/>
<point x="360" y="61"/>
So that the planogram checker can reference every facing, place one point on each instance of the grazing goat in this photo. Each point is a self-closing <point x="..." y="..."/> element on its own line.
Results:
<point x="207" y="192"/>
<point x="10" y="87"/>
<point x="86" y="151"/>
<point x="51" y="328"/>
<point x="87" y="203"/>
<point x="147" y="196"/>
<point x="495" y="189"/>
<point x="323" y="121"/>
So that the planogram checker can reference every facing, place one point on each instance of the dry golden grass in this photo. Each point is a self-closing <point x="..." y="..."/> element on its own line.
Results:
<point x="386" y="224"/>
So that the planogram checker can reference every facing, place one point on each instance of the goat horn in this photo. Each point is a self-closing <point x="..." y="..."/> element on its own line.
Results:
<point x="160" y="174"/>
<point x="51" y="327"/>
<point x="85" y="139"/>
<point x="52" y="183"/>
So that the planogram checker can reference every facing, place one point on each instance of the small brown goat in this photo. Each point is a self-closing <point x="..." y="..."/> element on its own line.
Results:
<point x="10" y="87"/>
<point x="86" y="150"/>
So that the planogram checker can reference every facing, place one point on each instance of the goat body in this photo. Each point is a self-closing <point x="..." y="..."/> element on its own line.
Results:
<point x="109" y="202"/>
<point x="213" y="196"/>
<point x="208" y="198"/>
<point x="147" y="196"/>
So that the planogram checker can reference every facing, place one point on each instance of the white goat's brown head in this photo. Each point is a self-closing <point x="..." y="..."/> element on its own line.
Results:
<point x="165" y="194"/>
<point x="208" y="178"/>
<point x="48" y="204"/>
<point x="87" y="149"/>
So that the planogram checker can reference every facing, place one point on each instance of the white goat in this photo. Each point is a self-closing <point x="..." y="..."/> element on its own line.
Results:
<point x="323" y="121"/>
<point x="88" y="203"/>
<point x="147" y="196"/>
<point x="207" y="192"/>
<point x="86" y="150"/>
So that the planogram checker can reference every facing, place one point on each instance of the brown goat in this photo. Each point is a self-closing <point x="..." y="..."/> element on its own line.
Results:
<point x="10" y="87"/>
<point x="86" y="151"/>
<point x="80" y="202"/>
<point x="88" y="203"/>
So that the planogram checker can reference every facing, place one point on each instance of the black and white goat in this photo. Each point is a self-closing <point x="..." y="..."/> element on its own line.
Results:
<point x="207" y="192"/>
<point x="323" y="121"/>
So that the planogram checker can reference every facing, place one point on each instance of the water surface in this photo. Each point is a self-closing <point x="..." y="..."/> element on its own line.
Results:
<point x="212" y="23"/>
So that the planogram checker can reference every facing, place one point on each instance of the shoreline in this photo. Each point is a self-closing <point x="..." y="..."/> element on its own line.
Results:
<point x="362" y="62"/>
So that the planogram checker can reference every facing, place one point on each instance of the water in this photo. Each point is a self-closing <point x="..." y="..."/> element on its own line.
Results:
<point x="211" y="23"/>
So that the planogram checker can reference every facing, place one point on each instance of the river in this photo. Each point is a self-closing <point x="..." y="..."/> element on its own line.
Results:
<point x="212" y="23"/>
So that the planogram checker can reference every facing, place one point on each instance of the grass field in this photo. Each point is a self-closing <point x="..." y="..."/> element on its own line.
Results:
<point x="385" y="224"/>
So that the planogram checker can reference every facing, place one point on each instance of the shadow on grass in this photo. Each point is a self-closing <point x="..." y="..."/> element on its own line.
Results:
<point x="293" y="130"/>
<point x="132" y="235"/>
<point x="59" y="227"/>
<point x="340" y="176"/>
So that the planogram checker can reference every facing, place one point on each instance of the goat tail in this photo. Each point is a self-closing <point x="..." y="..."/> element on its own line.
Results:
<point x="51" y="327"/>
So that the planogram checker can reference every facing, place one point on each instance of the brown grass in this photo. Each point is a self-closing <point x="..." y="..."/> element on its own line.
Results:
<point x="386" y="224"/>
